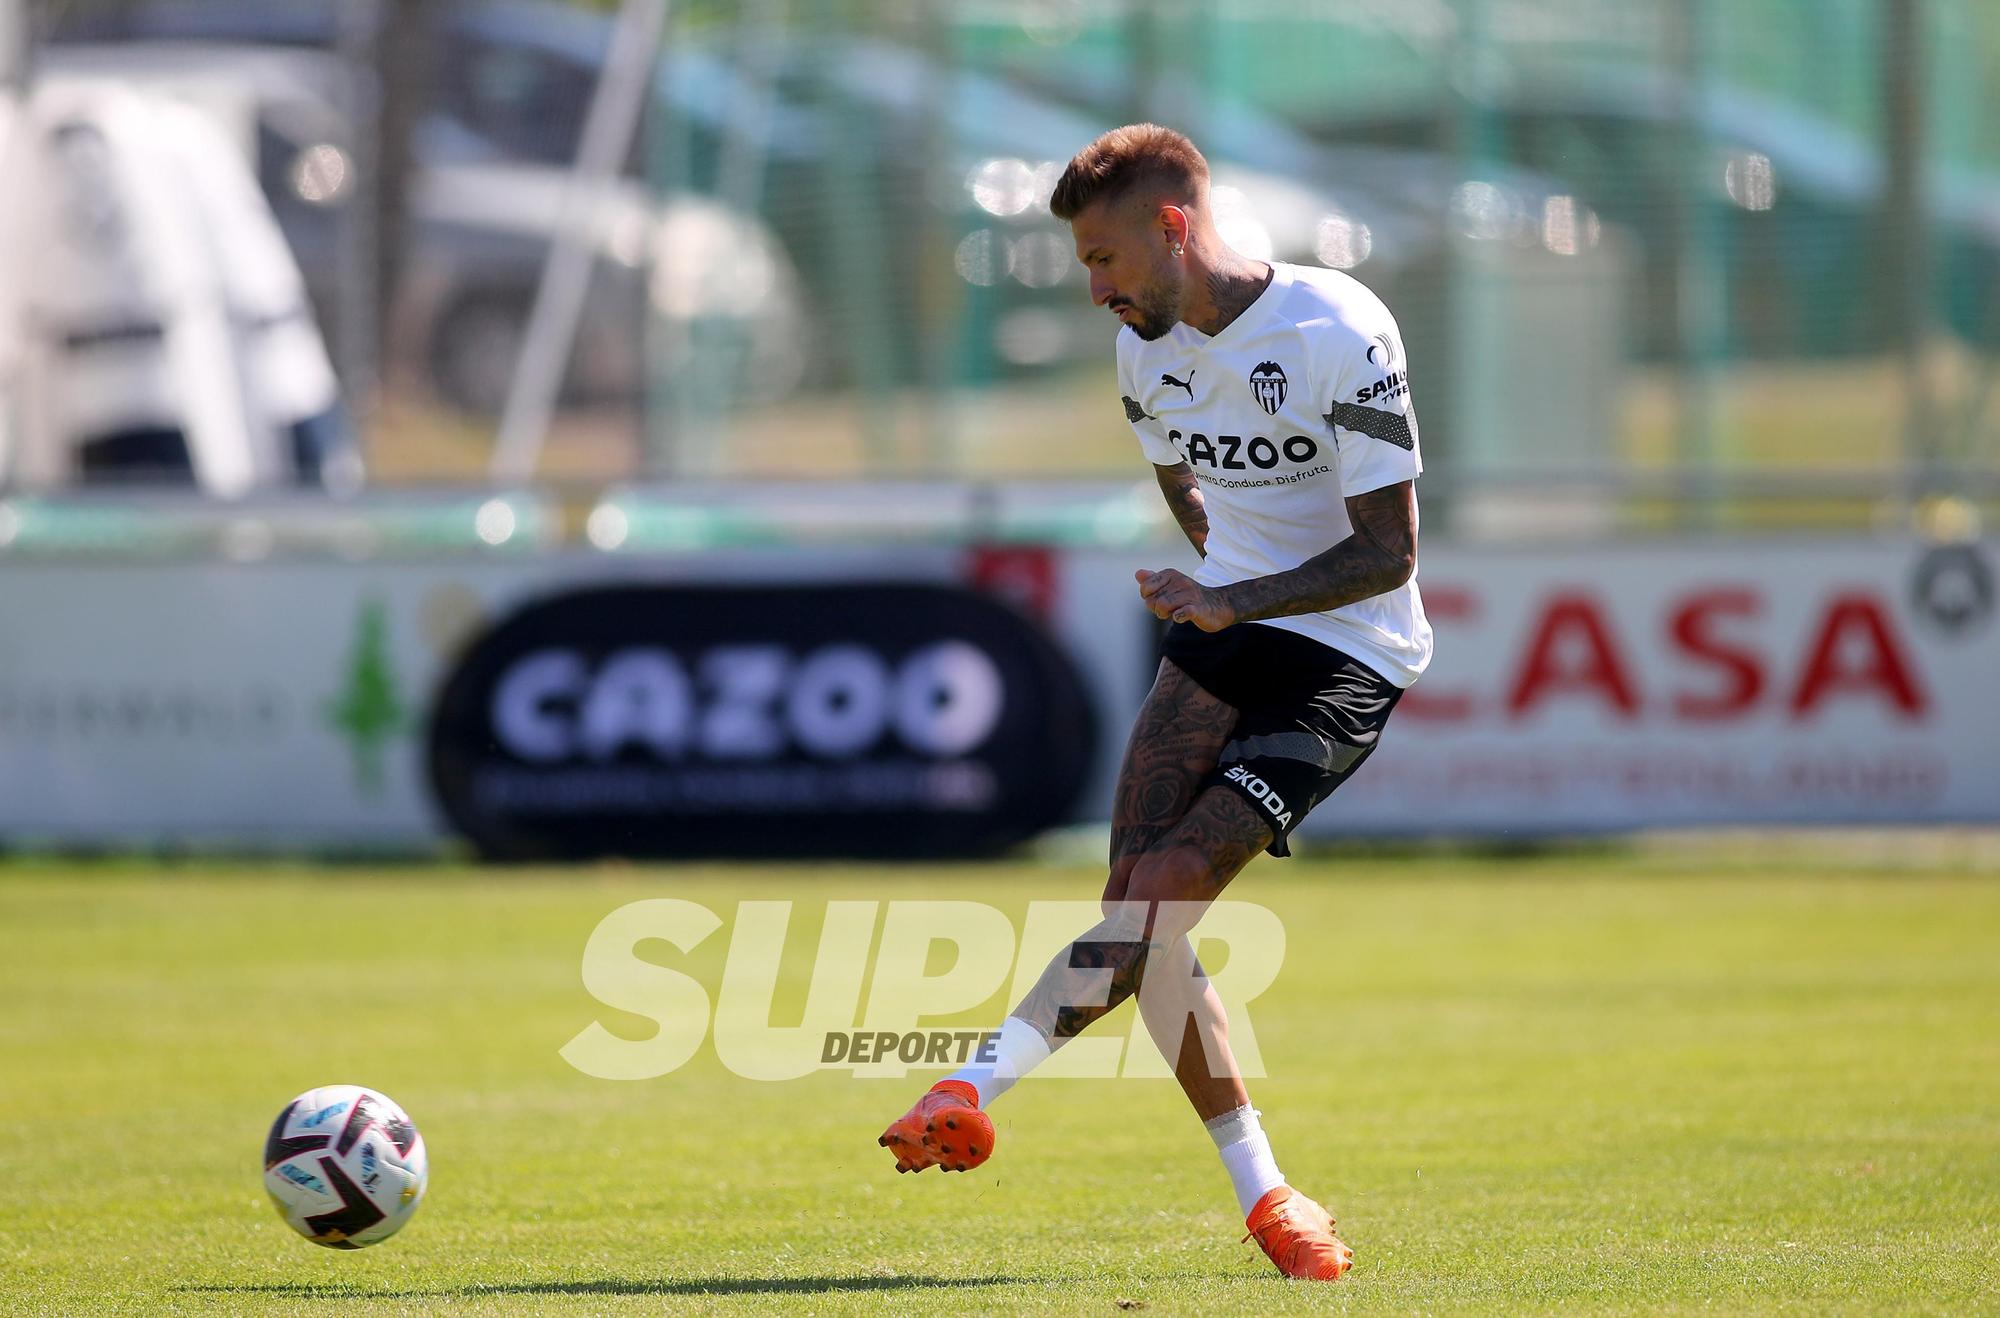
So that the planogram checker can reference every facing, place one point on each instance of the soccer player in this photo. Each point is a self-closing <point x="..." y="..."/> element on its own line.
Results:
<point x="1274" y="404"/>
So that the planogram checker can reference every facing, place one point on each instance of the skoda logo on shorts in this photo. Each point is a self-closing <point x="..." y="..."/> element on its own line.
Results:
<point x="1267" y="383"/>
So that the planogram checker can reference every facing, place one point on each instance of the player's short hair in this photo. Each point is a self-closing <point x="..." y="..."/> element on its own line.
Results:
<point x="1129" y="157"/>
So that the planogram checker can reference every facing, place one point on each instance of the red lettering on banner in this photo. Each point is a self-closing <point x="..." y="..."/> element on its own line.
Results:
<point x="1598" y="669"/>
<point x="1856" y="652"/>
<point x="1693" y="630"/>
<point x="1442" y="604"/>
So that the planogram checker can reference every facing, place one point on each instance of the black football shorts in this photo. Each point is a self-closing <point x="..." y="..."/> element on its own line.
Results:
<point x="1309" y="715"/>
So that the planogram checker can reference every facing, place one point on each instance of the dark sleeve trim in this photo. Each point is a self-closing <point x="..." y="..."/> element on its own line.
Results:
<point x="1389" y="427"/>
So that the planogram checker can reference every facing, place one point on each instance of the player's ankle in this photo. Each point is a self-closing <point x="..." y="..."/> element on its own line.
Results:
<point x="1246" y="1156"/>
<point x="958" y="1089"/>
<point x="1015" y="1049"/>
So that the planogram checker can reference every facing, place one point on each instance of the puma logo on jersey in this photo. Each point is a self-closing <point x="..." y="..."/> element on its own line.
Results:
<point x="1187" y="384"/>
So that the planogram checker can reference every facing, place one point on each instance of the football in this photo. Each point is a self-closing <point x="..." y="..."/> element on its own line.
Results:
<point x="345" y="1166"/>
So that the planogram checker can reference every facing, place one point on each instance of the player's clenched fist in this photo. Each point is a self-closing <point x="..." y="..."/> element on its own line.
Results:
<point x="1177" y="597"/>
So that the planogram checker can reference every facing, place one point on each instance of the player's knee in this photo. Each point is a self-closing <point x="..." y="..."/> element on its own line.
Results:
<point x="1169" y="875"/>
<point x="1116" y="885"/>
<point x="1176" y="884"/>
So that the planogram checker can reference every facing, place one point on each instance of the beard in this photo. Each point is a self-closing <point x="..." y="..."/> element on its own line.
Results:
<point x="1155" y="311"/>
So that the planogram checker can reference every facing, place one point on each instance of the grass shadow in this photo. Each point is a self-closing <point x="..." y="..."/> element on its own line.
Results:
<point x="306" y="1290"/>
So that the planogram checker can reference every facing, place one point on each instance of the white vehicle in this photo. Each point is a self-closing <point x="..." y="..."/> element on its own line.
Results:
<point x="478" y="233"/>
<point x="153" y="322"/>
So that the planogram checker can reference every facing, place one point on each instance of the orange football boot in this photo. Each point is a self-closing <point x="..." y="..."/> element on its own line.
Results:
<point x="945" y="1129"/>
<point x="1297" y="1235"/>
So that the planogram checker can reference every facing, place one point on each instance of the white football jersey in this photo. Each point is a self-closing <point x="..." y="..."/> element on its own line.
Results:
<point x="1301" y="401"/>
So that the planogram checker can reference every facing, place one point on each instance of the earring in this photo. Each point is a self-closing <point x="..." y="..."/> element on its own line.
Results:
<point x="1176" y="249"/>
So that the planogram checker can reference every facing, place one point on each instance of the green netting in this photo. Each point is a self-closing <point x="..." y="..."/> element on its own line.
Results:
<point x="1629" y="242"/>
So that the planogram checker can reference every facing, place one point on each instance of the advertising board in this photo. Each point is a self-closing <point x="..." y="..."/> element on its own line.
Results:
<point x="1579" y="688"/>
<point x="849" y="719"/>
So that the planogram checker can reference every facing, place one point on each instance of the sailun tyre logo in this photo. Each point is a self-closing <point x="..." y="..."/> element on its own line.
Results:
<point x="1267" y="385"/>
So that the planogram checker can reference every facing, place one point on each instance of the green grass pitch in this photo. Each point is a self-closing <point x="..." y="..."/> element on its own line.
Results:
<point x="1628" y="1082"/>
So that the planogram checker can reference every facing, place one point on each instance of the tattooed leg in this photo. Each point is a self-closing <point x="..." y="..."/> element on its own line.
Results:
<point x="1165" y="894"/>
<point x="1175" y="741"/>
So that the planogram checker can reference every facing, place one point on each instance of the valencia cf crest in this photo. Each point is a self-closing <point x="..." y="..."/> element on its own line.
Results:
<point x="1267" y="382"/>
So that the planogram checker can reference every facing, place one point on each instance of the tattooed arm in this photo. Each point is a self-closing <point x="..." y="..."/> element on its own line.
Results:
<point x="1183" y="495"/>
<point x="1378" y="557"/>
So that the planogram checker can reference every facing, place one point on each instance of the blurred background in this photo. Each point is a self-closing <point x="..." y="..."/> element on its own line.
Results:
<point x="317" y="298"/>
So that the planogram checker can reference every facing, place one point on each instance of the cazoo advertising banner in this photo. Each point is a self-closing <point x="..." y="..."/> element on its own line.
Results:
<point x="1585" y="687"/>
<point x="832" y="719"/>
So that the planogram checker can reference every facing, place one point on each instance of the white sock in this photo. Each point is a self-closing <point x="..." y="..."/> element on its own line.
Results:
<point x="1246" y="1155"/>
<point x="1020" y="1049"/>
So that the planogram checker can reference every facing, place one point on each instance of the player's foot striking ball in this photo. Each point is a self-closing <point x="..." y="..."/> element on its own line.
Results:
<point x="1274" y="404"/>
